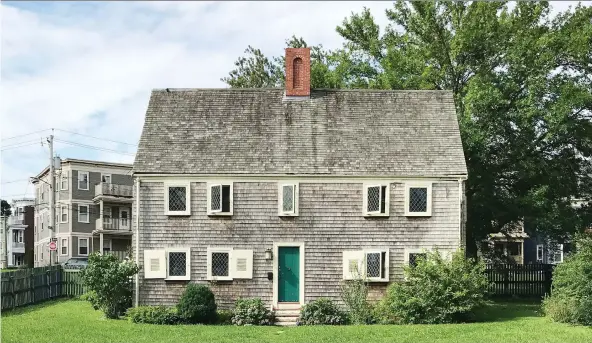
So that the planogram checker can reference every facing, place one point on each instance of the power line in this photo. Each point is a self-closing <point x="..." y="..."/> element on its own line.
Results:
<point x="19" y="145"/>
<point x="26" y="134"/>
<point x="103" y="139"/>
<point x="95" y="147"/>
<point x="13" y="181"/>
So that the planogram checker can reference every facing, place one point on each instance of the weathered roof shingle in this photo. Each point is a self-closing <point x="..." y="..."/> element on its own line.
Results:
<point x="335" y="132"/>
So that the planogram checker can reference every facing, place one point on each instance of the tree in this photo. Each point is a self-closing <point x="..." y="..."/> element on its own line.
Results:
<point x="5" y="208"/>
<point x="523" y="92"/>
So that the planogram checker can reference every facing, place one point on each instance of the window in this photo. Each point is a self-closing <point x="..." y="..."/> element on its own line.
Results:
<point x="17" y="236"/>
<point x="20" y="212"/>
<point x="83" y="246"/>
<point x="555" y="253"/>
<point x="124" y="217"/>
<point x="177" y="199"/>
<point x="418" y="199"/>
<point x="376" y="200"/>
<point x="228" y="263"/>
<point x="178" y="264"/>
<point x="415" y="257"/>
<point x="107" y="213"/>
<point x="83" y="180"/>
<point x="514" y="248"/>
<point x="64" y="246"/>
<point x="106" y="178"/>
<point x="220" y="199"/>
<point x="539" y="253"/>
<point x="372" y="265"/>
<point x="107" y="245"/>
<point x="64" y="181"/>
<point x="83" y="214"/>
<point x="63" y="214"/>
<point x="288" y="199"/>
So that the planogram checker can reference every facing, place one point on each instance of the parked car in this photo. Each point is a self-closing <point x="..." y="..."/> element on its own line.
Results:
<point x="76" y="263"/>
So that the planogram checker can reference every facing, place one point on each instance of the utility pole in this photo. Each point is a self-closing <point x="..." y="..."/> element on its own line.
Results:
<point x="51" y="196"/>
<point x="4" y="219"/>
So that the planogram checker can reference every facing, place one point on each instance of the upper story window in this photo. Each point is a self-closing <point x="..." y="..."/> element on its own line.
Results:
<point x="20" y="213"/>
<point x="106" y="178"/>
<point x="64" y="181"/>
<point x="376" y="200"/>
<point x="418" y="199"/>
<point x="64" y="214"/>
<point x="177" y="198"/>
<point x="288" y="199"/>
<point x="83" y="180"/>
<point x="83" y="215"/>
<point x="220" y="199"/>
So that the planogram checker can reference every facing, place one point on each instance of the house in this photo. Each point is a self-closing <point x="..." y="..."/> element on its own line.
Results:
<point x="282" y="194"/>
<point x="20" y="233"/>
<point x="93" y="210"/>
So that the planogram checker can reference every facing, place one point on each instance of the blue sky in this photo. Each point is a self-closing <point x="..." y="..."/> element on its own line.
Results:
<point x="88" y="67"/>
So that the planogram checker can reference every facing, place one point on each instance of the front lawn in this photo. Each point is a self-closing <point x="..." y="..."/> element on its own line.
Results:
<point x="75" y="321"/>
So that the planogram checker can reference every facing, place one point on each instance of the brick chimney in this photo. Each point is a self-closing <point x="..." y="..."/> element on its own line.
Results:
<point x="298" y="72"/>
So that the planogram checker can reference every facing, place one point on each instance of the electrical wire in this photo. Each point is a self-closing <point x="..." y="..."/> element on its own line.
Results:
<point x="26" y="134"/>
<point x="13" y="181"/>
<point x="19" y="145"/>
<point x="103" y="139"/>
<point x="94" y="147"/>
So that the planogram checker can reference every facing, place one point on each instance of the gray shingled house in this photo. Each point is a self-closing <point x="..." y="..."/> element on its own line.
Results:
<point x="283" y="193"/>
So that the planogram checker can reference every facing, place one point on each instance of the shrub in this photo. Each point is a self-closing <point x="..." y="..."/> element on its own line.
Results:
<point x="251" y="312"/>
<point x="161" y="315"/>
<point x="437" y="290"/>
<point x="225" y="317"/>
<point x="354" y="294"/>
<point x="91" y="297"/>
<point x="197" y="305"/>
<point x="110" y="280"/>
<point x="321" y="312"/>
<point x="571" y="295"/>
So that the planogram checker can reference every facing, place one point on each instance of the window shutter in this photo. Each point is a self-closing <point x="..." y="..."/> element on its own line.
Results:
<point x="242" y="264"/>
<point x="216" y="198"/>
<point x="352" y="264"/>
<point x="373" y="196"/>
<point x="154" y="264"/>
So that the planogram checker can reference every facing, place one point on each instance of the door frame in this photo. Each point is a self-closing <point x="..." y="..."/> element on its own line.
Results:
<point x="124" y="209"/>
<point x="276" y="247"/>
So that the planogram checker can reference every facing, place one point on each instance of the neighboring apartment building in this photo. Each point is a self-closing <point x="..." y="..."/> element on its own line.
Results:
<point x="281" y="195"/>
<point x="93" y="210"/>
<point x="20" y="228"/>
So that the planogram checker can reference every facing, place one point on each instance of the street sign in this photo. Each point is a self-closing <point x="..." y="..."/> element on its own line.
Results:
<point x="53" y="246"/>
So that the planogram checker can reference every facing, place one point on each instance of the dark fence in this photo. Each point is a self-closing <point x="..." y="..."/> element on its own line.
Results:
<point x="527" y="280"/>
<point x="28" y="286"/>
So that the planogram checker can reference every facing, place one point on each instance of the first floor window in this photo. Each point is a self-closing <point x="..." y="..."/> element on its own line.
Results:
<point x="556" y="253"/>
<point x="540" y="253"/>
<point x="220" y="199"/>
<point x="375" y="265"/>
<point x="177" y="199"/>
<point x="64" y="246"/>
<point x="82" y="246"/>
<point x="83" y="214"/>
<point x="229" y="263"/>
<point x="418" y="198"/>
<point x="178" y="264"/>
<point x="376" y="200"/>
<point x="414" y="258"/>
<point x="220" y="263"/>
<point x="371" y="265"/>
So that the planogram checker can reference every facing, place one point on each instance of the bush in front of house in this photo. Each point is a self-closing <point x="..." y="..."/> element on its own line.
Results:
<point x="354" y="294"/>
<point x="438" y="290"/>
<point x="110" y="281"/>
<point x="197" y="305"/>
<point x="571" y="294"/>
<point x="251" y="312"/>
<point x="161" y="315"/>
<point x="91" y="297"/>
<point x="224" y="317"/>
<point x="321" y="312"/>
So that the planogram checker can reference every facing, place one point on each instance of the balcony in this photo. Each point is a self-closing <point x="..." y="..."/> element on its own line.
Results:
<point x="113" y="226"/>
<point x="18" y="247"/>
<point x="113" y="192"/>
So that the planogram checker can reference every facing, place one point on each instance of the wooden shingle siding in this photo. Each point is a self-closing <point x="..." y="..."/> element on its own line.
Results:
<point x="330" y="221"/>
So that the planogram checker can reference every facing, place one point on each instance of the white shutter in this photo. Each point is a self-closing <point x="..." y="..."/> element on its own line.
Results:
<point x="216" y="198"/>
<point x="242" y="264"/>
<point x="154" y="264"/>
<point x="352" y="264"/>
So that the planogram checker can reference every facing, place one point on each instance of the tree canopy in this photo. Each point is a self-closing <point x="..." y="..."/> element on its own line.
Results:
<point x="5" y="208"/>
<point x="522" y="82"/>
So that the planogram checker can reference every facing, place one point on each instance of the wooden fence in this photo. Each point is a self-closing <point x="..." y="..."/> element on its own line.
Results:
<point x="28" y="286"/>
<point x="527" y="280"/>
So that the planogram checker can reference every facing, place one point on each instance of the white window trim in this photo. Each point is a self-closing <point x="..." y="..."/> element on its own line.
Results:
<point x="62" y="246"/>
<point x="110" y="245"/>
<point x="209" y="196"/>
<point x="64" y="177"/>
<point x="187" y="275"/>
<point x="187" y="186"/>
<point x="409" y="251"/>
<point x="387" y="267"/>
<point x="408" y="186"/>
<point x="87" y="213"/>
<point x="558" y="251"/>
<point x="281" y="211"/>
<point x="62" y="214"/>
<point x="87" y="180"/>
<point x="540" y="247"/>
<point x="110" y="178"/>
<point x="212" y="250"/>
<point x="87" y="245"/>
<point x="366" y="185"/>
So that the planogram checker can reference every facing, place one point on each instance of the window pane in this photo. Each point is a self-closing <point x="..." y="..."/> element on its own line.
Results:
<point x="383" y="200"/>
<point x="82" y="181"/>
<point x="177" y="264"/>
<point x="177" y="199"/>
<point x="373" y="199"/>
<point x="215" y="193"/>
<point x="219" y="264"/>
<point x="226" y="198"/>
<point x="415" y="257"/>
<point x="288" y="198"/>
<point x="418" y="199"/>
<point x="373" y="267"/>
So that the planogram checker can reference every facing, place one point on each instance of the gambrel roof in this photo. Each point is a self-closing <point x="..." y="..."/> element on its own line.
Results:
<point x="334" y="132"/>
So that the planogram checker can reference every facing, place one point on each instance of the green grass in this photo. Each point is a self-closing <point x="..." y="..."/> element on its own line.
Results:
<point x="75" y="321"/>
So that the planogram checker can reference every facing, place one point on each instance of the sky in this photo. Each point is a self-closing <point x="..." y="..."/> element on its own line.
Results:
<point x="89" y="67"/>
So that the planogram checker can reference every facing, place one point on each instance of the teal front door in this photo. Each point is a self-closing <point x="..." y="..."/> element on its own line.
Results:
<point x="288" y="274"/>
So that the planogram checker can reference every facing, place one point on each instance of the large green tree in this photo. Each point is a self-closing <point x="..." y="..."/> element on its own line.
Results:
<point x="5" y="208"/>
<point x="522" y="82"/>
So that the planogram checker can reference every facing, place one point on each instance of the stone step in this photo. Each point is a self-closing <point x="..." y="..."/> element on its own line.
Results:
<point x="287" y="313"/>
<point x="286" y="319"/>
<point x="288" y="306"/>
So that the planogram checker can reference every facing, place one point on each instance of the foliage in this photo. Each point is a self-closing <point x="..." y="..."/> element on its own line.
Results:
<point x="571" y="295"/>
<point x="224" y="317"/>
<point x="197" y="304"/>
<point x="161" y="315"/>
<point x="321" y="312"/>
<point x="111" y="282"/>
<point x="522" y="90"/>
<point x="354" y="294"/>
<point x="436" y="290"/>
<point x="251" y="312"/>
<point x="91" y="297"/>
<point x="5" y="210"/>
